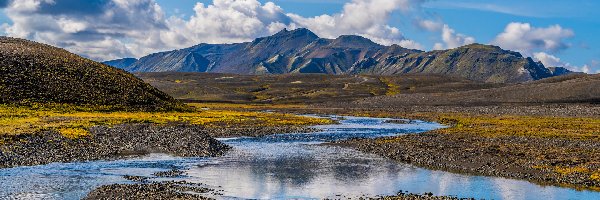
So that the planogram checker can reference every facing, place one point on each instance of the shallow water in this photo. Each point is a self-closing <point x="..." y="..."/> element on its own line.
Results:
<point x="283" y="166"/>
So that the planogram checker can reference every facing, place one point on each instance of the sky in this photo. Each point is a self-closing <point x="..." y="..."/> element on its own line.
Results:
<point x="557" y="33"/>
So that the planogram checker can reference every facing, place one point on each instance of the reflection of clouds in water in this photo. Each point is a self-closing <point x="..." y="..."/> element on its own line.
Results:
<point x="278" y="175"/>
<point x="514" y="189"/>
<point x="508" y="190"/>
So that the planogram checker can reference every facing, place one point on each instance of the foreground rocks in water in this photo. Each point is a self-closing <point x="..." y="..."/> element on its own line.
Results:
<point x="170" y="174"/>
<point x="109" y="143"/>
<point x="410" y="196"/>
<point x="162" y="190"/>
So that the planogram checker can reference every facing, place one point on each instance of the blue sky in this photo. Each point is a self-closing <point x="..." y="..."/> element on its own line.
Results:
<point x="574" y="42"/>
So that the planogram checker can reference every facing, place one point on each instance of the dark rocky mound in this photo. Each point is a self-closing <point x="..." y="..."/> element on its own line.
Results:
<point x="31" y="72"/>
<point x="301" y="51"/>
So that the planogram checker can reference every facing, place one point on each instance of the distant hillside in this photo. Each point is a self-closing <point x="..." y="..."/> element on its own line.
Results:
<point x="573" y="88"/>
<point x="31" y="72"/>
<point x="299" y="88"/>
<point x="301" y="51"/>
<point x="121" y="63"/>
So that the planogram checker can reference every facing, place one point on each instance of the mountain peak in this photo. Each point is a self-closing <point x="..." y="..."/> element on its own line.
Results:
<point x="490" y="48"/>
<point x="354" y="41"/>
<point x="299" y="32"/>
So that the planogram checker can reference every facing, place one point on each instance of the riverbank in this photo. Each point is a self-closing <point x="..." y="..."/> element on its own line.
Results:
<point x="556" y="145"/>
<point x="36" y="136"/>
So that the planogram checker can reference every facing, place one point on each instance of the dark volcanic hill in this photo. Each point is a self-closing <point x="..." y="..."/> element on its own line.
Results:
<point x="31" y="72"/>
<point x="301" y="51"/>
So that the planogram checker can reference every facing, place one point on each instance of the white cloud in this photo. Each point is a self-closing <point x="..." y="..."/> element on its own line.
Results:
<point x="410" y="44"/>
<point x="526" y="39"/>
<point x="71" y="26"/>
<point x="367" y="18"/>
<point x="100" y="29"/>
<point x="429" y="25"/>
<point x="552" y="61"/>
<point x="226" y="21"/>
<point x="548" y="60"/>
<point x="452" y="39"/>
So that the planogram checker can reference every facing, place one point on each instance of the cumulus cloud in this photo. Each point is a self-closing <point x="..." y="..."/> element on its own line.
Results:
<point x="96" y="29"/>
<point x="108" y="29"/>
<point x="548" y="60"/>
<point x="552" y="61"/>
<point x="527" y="39"/>
<point x="227" y="21"/>
<point x="452" y="39"/>
<point x="366" y="18"/>
<point x="429" y="25"/>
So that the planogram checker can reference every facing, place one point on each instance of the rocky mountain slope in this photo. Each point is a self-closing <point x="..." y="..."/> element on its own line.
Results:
<point x="31" y="72"/>
<point x="301" y="51"/>
<point x="121" y="63"/>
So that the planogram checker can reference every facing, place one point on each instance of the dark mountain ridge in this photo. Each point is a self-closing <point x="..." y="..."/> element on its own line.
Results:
<point x="302" y="51"/>
<point x="121" y="63"/>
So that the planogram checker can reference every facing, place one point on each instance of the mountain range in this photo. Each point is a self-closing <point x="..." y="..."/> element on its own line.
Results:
<point x="302" y="51"/>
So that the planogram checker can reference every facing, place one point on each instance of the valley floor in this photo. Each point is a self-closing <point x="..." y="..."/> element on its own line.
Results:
<point x="555" y="144"/>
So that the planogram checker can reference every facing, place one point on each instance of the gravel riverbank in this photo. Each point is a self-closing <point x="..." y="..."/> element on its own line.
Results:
<point x="125" y="140"/>
<point x="542" y="153"/>
<point x="180" y="190"/>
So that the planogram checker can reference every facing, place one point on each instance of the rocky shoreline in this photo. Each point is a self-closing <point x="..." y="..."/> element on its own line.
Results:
<point x="485" y="156"/>
<point x="124" y="140"/>
<point x="569" y="161"/>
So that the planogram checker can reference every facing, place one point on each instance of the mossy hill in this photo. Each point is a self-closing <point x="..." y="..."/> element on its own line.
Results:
<point x="35" y="73"/>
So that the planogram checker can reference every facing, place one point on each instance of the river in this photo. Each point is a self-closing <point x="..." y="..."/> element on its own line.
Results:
<point x="283" y="166"/>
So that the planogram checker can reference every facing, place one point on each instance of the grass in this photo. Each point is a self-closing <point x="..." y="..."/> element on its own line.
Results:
<point x="74" y="122"/>
<point x="585" y="128"/>
<point x="529" y="126"/>
<point x="392" y="89"/>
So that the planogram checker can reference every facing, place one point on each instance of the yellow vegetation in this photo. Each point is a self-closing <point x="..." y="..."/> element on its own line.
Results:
<point x="534" y="126"/>
<point x="570" y="170"/>
<point x="74" y="133"/>
<point x="595" y="176"/>
<point x="505" y="125"/>
<point x="73" y="123"/>
<point x="231" y="106"/>
<point x="392" y="89"/>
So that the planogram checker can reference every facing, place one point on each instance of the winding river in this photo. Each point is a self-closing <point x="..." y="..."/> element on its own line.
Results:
<point x="283" y="166"/>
